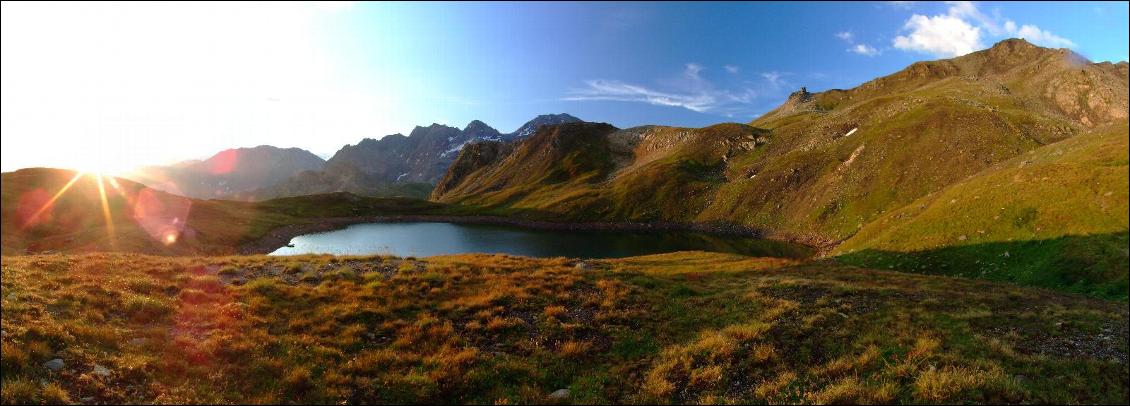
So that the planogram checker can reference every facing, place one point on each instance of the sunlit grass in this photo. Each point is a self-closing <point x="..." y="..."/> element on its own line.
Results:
<point x="495" y="328"/>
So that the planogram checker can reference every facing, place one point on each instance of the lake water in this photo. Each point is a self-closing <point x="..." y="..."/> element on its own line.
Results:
<point x="428" y="239"/>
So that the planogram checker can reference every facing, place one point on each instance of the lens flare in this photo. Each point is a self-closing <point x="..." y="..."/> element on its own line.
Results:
<point x="160" y="215"/>
<point x="51" y="202"/>
<point x="106" y="210"/>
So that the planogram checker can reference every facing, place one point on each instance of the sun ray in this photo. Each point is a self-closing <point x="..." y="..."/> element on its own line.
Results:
<point x="106" y="210"/>
<point x="34" y="216"/>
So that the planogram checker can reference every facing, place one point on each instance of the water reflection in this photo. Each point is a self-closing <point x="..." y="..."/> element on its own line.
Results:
<point x="428" y="239"/>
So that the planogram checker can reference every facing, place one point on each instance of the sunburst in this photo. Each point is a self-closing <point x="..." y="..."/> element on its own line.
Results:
<point x="100" y="180"/>
<point x="106" y="210"/>
<point x="35" y="216"/>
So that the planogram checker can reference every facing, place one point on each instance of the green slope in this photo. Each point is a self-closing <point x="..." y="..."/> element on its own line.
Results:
<point x="827" y="166"/>
<point x="1055" y="216"/>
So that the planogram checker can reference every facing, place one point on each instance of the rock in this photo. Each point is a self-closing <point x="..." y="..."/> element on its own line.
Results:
<point x="87" y="399"/>
<point x="583" y="265"/>
<point x="559" y="394"/>
<point x="54" y="365"/>
<point x="100" y="371"/>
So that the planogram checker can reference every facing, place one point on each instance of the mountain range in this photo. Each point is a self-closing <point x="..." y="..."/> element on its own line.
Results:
<point x="395" y="165"/>
<point x="229" y="174"/>
<point x="859" y="169"/>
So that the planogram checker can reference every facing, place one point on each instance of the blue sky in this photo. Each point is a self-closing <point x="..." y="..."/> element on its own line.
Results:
<point x="120" y="85"/>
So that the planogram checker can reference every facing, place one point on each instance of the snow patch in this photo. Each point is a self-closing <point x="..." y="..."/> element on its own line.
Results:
<point x="456" y="148"/>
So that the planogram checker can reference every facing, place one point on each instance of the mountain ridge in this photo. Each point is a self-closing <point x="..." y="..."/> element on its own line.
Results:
<point x="400" y="164"/>
<point x="825" y="165"/>
<point x="229" y="174"/>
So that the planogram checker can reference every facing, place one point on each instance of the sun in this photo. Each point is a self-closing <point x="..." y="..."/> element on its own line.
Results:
<point x="100" y="165"/>
<point x="103" y="183"/>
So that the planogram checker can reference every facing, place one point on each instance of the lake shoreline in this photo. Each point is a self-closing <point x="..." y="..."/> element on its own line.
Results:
<point x="281" y="236"/>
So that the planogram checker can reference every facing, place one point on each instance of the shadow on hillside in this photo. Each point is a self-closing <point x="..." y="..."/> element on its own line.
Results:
<point x="1096" y="265"/>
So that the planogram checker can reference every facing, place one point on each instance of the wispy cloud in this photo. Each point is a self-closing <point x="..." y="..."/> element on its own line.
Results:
<point x="732" y="69"/>
<point x="690" y="91"/>
<point x="857" y="48"/>
<point x="960" y="31"/>
<point x="1038" y="36"/>
<point x="773" y="78"/>
<point x="864" y="49"/>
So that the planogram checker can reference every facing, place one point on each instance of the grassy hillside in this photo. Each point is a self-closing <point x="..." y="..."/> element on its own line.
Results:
<point x="141" y="219"/>
<point x="547" y="165"/>
<point x="822" y="165"/>
<point x="594" y="172"/>
<point x="1055" y="216"/>
<point x="673" y="328"/>
<point x="830" y="167"/>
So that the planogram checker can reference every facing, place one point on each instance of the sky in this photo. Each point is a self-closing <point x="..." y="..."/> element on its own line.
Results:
<point x="110" y="86"/>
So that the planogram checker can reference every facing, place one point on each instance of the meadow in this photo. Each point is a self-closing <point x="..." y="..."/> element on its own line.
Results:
<point x="687" y="327"/>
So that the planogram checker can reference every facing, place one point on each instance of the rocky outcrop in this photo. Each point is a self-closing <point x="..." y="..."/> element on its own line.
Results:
<point x="471" y="158"/>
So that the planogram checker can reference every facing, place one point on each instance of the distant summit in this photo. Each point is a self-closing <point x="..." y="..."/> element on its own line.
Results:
<point x="545" y="119"/>
<point x="374" y="166"/>
<point x="231" y="173"/>
<point x="480" y="129"/>
<point x="1057" y="81"/>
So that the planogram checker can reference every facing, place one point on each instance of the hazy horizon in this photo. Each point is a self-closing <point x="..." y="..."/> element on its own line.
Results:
<point x="160" y="83"/>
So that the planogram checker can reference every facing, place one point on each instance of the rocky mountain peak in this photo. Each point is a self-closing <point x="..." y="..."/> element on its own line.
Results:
<point x="545" y="119"/>
<point x="478" y="128"/>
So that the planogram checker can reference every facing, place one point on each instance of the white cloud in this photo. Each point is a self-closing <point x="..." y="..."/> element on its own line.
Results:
<point x="864" y="49"/>
<point x="967" y="10"/>
<point x="941" y="35"/>
<point x="861" y="49"/>
<point x="959" y="31"/>
<point x="691" y="91"/>
<point x="732" y="68"/>
<point x="1041" y="37"/>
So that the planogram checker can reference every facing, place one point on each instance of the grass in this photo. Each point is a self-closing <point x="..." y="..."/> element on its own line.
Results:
<point x="1094" y="265"/>
<point x="673" y="328"/>
<point x="1054" y="217"/>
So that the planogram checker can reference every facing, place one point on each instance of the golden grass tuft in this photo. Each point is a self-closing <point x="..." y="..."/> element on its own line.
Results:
<point x="574" y="349"/>
<point x="943" y="385"/>
<point x="554" y="311"/>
